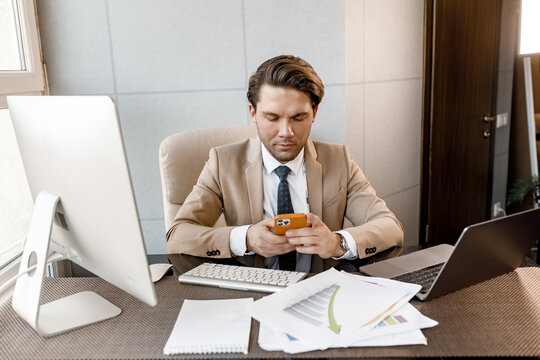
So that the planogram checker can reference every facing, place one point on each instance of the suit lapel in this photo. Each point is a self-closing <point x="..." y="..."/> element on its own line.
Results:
<point x="314" y="179"/>
<point x="254" y="180"/>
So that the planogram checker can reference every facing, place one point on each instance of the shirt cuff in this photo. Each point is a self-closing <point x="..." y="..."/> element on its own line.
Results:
<point x="351" y="243"/>
<point x="237" y="241"/>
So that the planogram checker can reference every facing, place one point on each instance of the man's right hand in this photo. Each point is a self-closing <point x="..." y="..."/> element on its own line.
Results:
<point x="262" y="241"/>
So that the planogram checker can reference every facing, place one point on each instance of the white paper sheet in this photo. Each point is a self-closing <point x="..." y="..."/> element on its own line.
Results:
<point x="410" y="289"/>
<point x="411" y="337"/>
<point x="211" y="326"/>
<point x="267" y="339"/>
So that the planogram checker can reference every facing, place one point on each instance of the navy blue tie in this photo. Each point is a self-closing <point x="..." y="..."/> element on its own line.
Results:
<point x="284" y="206"/>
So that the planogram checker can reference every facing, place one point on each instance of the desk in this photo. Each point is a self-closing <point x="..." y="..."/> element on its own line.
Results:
<point x="500" y="317"/>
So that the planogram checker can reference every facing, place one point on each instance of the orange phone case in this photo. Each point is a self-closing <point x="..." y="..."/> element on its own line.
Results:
<point x="284" y="222"/>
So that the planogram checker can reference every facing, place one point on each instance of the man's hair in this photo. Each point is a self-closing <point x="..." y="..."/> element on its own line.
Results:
<point x="286" y="71"/>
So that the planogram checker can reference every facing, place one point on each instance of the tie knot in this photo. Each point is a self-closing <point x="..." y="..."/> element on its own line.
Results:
<point x="282" y="172"/>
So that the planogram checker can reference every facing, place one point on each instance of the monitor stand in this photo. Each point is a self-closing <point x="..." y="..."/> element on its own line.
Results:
<point x="62" y="315"/>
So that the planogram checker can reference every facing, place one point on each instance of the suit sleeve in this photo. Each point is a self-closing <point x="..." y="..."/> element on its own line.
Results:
<point x="375" y="227"/>
<point x="192" y="230"/>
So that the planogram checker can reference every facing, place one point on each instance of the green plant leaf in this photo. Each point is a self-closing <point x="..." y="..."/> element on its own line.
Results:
<point x="521" y="189"/>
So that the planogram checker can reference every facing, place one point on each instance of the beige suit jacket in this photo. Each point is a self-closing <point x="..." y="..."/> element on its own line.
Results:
<point x="232" y="183"/>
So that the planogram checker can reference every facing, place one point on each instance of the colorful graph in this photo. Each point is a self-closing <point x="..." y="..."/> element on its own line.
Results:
<point x="392" y="320"/>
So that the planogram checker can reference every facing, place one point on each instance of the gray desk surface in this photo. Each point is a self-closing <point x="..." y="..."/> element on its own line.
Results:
<point x="500" y="317"/>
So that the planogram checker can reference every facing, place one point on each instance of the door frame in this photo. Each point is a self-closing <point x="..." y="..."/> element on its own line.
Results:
<point x="426" y="123"/>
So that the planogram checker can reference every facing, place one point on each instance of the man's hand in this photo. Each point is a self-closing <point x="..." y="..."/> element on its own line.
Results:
<point x="260" y="239"/>
<point x="316" y="238"/>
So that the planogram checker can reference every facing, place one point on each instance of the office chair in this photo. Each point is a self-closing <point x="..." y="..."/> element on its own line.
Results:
<point x="182" y="157"/>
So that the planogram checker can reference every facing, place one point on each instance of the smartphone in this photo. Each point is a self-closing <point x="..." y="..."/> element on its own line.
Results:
<point x="284" y="222"/>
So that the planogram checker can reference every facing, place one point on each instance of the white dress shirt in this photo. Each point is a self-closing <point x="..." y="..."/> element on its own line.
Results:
<point x="299" y="198"/>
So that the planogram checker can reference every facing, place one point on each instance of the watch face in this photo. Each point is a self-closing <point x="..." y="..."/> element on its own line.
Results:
<point x="344" y="246"/>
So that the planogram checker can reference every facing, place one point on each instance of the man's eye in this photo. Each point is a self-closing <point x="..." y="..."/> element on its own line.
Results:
<point x="271" y="118"/>
<point x="299" y="118"/>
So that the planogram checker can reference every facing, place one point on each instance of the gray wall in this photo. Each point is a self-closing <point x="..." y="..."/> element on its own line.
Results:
<point x="178" y="65"/>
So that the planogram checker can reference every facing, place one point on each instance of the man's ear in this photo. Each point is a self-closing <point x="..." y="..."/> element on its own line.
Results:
<point x="252" y="112"/>
<point x="315" y="111"/>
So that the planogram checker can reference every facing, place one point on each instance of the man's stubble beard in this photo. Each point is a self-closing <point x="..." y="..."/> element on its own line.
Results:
<point x="281" y="156"/>
<point x="278" y="155"/>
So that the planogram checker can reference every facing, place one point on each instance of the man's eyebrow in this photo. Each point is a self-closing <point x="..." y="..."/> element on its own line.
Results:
<point x="295" y="115"/>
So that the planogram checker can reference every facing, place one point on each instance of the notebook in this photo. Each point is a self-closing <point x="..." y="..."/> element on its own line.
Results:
<point x="211" y="327"/>
<point x="483" y="251"/>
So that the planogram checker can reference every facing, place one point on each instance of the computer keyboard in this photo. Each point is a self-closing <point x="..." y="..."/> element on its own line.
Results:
<point x="424" y="277"/>
<point x="241" y="277"/>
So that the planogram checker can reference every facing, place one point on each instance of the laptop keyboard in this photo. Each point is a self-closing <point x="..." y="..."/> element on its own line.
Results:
<point x="424" y="277"/>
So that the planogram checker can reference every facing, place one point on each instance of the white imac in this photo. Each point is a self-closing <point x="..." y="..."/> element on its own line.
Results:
<point x="85" y="210"/>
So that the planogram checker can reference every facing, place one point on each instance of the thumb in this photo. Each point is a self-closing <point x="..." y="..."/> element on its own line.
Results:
<point x="312" y="219"/>
<point x="268" y="223"/>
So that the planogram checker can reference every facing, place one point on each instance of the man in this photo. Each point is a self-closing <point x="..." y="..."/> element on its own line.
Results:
<point x="283" y="171"/>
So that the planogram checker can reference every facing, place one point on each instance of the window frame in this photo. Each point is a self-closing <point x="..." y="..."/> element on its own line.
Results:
<point x="7" y="273"/>
<point x="31" y="80"/>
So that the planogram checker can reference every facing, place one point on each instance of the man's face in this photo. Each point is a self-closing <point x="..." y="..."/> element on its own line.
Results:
<point x="283" y="118"/>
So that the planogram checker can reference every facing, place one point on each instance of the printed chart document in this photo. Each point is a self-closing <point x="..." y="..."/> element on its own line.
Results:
<point x="400" y="328"/>
<point x="326" y="309"/>
<point x="211" y="326"/>
<point x="337" y="309"/>
<point x="407" y="317"/>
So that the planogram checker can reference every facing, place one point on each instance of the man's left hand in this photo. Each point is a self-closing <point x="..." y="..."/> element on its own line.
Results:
<point x="316" y="238"/>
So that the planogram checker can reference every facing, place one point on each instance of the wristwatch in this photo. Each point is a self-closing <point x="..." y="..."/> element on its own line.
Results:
<point x="344" y="245"/>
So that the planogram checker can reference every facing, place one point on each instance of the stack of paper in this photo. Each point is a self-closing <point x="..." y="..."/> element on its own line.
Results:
<point x="211" y="326"/>
<point x="338" y="309"/>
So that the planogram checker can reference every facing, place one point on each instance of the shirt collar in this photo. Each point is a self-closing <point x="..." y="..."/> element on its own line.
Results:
<point x="270" y="163"/>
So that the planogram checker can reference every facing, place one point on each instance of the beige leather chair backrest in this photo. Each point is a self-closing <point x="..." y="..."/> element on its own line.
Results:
<point x="182" y="157"/>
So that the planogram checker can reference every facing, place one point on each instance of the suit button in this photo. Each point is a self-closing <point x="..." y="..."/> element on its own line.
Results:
<point x="217" y="252"/>
<point x="371" y="250"/>
<point x="208" y="253"/>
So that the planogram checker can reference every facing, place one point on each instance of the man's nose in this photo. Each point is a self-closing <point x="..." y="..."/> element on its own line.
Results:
<point x="285" y="128"/>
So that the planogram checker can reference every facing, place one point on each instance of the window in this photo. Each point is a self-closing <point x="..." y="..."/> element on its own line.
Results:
<point x="21" y="69"/>
<point x="10" y="38"/>
<point x="21" y="72"/>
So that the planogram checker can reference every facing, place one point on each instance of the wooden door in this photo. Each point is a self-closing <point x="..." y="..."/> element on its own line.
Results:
<point x="458" y="140"/>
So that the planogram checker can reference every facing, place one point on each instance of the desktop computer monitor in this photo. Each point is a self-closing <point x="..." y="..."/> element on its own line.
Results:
<point x="85" y="210"/>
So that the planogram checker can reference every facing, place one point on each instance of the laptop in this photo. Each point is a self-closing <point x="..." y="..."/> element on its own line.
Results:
<point x="483" y="251"/>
